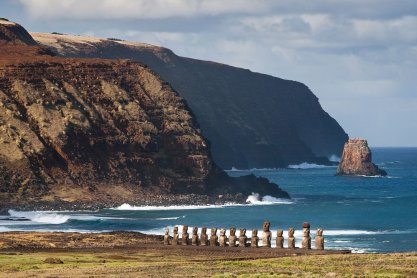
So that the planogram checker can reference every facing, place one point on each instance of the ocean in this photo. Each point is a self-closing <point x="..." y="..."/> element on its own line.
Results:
<point x="363" y="214"/>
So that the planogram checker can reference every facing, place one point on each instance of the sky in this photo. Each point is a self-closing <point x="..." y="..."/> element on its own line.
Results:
<point x="359" y="57"/>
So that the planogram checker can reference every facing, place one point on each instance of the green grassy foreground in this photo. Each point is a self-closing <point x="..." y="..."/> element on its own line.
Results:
<point x="137" y="263"/>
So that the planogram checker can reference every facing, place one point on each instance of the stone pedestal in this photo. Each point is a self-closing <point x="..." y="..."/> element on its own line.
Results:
<point x="254" y="239"/>
<point x="291" y="239"/>
<point x="166" y="237"/>
<point x="214" y="241"/>
<point x="223" y="238"/>
<point x="194" y="238"/>
<point x="306" y="243"/>
<point x="232" y="237"/>
<point x="280" y="239"/>
<point x="175" y="237"/>
<point x="319" y="239"/>
<point x="185" y="236"/>
<point x="203" y="237"/>
<point x="242" y="238"/>
<point x="266" y="234"/>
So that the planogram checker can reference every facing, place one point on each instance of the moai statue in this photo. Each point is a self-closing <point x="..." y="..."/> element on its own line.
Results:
<point x="166" y="237"/>
<point x="254" y="240"/>
<point x="232" y="238"/>
<point x="194" y="238"/>
<point x="223" y="237"/>
<point x="242" y="238"/>
<point x="319" y="239"/>
<point x="175" y="236"/>
<point x="266" y="235"/>
<point x="306" y="243"/>
<point x="214" y="240"/>
<point x="280" y="239"/>
<point x="185" y="235"/>
<point x="291" y="239"/>
<point x="204" y="237"/>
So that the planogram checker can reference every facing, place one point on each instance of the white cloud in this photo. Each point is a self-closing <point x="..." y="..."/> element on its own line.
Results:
<point x="137" y="9"/>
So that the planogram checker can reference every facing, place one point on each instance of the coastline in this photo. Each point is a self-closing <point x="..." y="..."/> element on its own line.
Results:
<point x="132" y="254"/>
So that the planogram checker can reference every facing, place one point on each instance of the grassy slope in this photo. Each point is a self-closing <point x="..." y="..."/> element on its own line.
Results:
<point x="130" y="263"/>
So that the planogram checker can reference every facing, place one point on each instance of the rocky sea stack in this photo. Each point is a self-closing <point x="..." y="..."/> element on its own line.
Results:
<point x="100" y="132"/>
<point x="357" y="160"/>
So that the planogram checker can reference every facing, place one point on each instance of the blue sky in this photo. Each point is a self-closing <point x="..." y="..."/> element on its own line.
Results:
<point x="359" y="56"/>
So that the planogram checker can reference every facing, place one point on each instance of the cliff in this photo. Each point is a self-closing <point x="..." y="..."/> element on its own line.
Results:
<point x="95" y="131"/>
<point x="251" y="119"/>
<point x="357" y="160"/>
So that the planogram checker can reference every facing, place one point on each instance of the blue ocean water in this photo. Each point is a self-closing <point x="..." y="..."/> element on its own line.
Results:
<point x="363" y="214"/>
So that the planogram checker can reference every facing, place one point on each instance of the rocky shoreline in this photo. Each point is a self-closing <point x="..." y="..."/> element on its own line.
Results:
<point x="150" y="200"/>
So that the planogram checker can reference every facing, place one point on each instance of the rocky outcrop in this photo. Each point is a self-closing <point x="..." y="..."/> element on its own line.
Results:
<point x="101" y="132"/>
<point x="357" y="160"/>
<point x="13" y="33"/>
<point x="251" y="119"/>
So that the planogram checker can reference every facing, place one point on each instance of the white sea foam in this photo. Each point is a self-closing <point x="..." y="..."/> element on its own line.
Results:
<point x="255" y="199"/>
<point x="48" y="217"/>
<point x="170" y="218"/>
<point x="334" y="158"/>
<point x="190" y="207"/>
<point x="4" y="229"/>
<point x="306" y="165"/>
<point x="40" y="217"/>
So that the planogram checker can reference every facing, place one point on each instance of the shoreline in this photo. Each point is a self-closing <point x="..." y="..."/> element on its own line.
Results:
<point x="132" y="254"/>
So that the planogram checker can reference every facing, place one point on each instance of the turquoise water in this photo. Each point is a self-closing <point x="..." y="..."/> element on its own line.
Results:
<point x="364" y="214"/>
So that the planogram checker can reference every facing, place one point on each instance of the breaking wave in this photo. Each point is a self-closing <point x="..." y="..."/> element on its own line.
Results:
<point x="334" y="158"/>
<point x="306" y="165"/>
<point x="255" y="199"/>
<point x="40" y="217"/>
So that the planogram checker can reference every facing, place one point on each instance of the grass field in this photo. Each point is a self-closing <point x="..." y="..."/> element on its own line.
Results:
<point x="140" y="263"/>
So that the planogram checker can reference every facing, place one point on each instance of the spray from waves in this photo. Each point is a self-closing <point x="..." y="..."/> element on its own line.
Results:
<point x="40" y="217"/>
<point x="47" y="217"/>
<point x="306" y="165"/>
<point x="334" y="158"/>
<point x="255" y="199"/>
<point x="171" y="218"/>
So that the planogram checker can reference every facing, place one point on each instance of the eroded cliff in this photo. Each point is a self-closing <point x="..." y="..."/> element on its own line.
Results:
<point x="251" y="119"/>
<point x="102" y="132"/>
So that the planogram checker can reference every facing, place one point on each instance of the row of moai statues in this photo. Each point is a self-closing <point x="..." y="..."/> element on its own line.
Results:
<point x="242" y="240"/>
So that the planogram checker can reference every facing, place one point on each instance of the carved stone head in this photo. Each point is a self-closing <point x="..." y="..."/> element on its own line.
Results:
<point x="175" y="230"/>
<point x="319" y="232"/>
<point x="242" y="232"/>
<point x="306" y="232"/>
<point x="254" y="232"/>
<point x="265" y="226"/>
<point x="279" y="233"/>
<point x="291" y="232"/>
<point x="166" y="231"/>
<point x="222" y="232"/>
<point x="213" y="231"/>
<point x="184" y="229"/>
<point x="233" y="231"/>
<point x="195" y="230"/>
<point x="204" y="230"/>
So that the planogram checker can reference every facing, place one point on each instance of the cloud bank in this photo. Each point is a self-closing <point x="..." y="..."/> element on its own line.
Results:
<point x="358" y="56"/>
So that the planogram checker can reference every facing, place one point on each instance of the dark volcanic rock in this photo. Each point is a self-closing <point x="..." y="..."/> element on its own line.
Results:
<point x="357" y="160"/>
<point x="94" y="131"/>
<point x="251" y="119"/>
<point x="13" y="33"/>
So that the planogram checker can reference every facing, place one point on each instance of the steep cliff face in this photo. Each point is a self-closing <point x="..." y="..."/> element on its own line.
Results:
<point x="357" y="160"/>
<point x="94" y="130"/>
<point x="251" y="119"/>
<point x="12" y="33"/>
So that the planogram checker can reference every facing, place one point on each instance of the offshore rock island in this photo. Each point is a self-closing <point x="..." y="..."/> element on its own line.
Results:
<point x="252" y="120"/>
<point x="357" y="160"/>
<point x="76" y="133"/>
